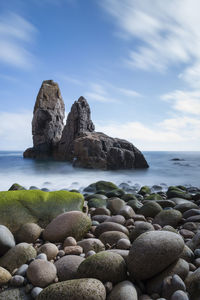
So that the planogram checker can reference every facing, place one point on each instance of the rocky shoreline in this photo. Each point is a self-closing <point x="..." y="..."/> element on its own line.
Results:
<point x="110" y="242"/>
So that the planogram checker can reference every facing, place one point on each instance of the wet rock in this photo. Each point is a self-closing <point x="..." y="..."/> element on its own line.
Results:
<point x="168" y="217"/>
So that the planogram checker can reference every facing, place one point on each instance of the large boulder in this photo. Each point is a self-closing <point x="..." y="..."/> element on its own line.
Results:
<point x="87" y="288"/>
<point x="159" y="250"/>
<point x="35" y="206"/>
<point x="73" y="223"/>
<point x="47" y="123"/>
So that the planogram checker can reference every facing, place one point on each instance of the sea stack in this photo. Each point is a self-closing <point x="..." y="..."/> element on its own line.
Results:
<point x="77" y="142"/>
<point x="47" y="123"/>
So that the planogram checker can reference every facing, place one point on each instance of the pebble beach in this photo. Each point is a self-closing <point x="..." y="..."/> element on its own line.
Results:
<point x="118" y="243"/>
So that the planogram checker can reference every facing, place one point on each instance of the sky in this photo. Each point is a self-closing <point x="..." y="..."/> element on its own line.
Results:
<point x="137" y="62"/>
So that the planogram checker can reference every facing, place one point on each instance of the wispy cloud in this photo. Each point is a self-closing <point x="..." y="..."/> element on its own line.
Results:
<point x="167" y="33"/>
<point x="16" y="34"/>
<point x="104" y="92"/>
<point x="70" y="79"/>
<point x="187" y="102"/>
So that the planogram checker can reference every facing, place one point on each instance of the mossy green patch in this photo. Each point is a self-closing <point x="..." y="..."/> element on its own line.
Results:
<point x="154" y="197"/>
<point x="101" y="185"/>
<point x="22" y="206"/>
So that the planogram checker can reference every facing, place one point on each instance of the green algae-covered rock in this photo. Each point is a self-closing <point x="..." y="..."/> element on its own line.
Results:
<point x="17" y="256"/>
<point x="177" y="192"/>
<point x="16" y="187"/>
<point x="35" y="206"/>
<point x="105" y="266"/>
<point x="128" y="197"/>
<point x="145" y="190"/>
<point x="77" y="289"/>
<point x="95" y="202"/>
<point x="150" y="209"/>
<point x="153" y="197"/>
<point x="100" y="186"/>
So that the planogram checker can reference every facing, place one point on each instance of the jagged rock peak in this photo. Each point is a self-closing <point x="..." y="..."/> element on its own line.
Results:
<point x="47" y="123"/>
<point x="78" y="122"/>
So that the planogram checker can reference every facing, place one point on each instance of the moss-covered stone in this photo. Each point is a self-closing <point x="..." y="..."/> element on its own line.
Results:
<point x="95" y="202"/>
<point x="16" y="187"/>
<point x="150" y="209"/>
<point x="145" y="190"/>
<point x="128" y="197"/>
<point x="100" y="186"/>
<point x="115" y="193"/>
<point x="35" y="206"/>
<point x="153" y="197"/>
<point x="105" y="266"/>
<point x="177" y="192"/>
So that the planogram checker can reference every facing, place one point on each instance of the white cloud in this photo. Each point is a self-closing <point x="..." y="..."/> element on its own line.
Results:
<point x="184" y="101"/>
<point x="172" y="134"/>
<point x="167" y="32"/>
<point x="15" y="130"/>
<point x="15" y="35"/>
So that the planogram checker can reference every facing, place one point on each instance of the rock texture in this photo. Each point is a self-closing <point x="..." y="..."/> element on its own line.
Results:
<point x="77" y="142"/>
<point x="47" y="123"/>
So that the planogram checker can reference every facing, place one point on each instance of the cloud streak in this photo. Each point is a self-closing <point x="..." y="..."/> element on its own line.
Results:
<point x="16" y="34"/>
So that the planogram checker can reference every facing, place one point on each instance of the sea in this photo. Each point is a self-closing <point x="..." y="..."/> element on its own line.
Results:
<point x="165" y="168"/>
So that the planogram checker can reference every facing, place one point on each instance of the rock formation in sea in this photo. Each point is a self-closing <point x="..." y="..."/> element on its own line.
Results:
<point x="77" y="142"/>
<point x="47" y="123"/>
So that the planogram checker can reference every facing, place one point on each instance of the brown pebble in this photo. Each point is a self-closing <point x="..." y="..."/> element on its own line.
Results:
<point x="187" y="234"/>
<point x="73" y="250"/>
<point x="69" y="241"/>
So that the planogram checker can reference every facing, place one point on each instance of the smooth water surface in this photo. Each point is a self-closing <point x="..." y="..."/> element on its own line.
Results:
<point x="58" y="175"/>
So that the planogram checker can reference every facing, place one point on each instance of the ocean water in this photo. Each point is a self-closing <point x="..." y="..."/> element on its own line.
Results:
<point x="57" y="175"/>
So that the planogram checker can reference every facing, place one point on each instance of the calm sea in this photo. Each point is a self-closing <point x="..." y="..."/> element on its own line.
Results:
<point x="58" y="175"/>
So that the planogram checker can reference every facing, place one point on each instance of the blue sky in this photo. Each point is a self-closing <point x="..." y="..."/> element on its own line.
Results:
<point x="137" y="62"/>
